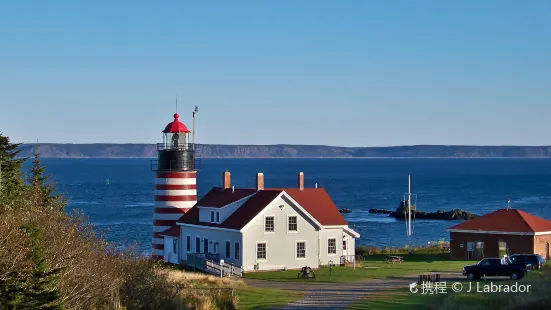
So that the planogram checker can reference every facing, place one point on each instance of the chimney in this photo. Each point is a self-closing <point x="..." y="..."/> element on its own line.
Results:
<point x="259" y="181"/>
<point x="226" y="180"/>
<point x="301" y="181"/>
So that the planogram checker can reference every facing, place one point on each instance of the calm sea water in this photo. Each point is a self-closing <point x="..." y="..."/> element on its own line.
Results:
<point x="125" y="206"/>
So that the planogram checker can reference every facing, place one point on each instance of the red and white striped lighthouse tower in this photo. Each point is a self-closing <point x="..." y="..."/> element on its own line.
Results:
<point x="175" y="181"/>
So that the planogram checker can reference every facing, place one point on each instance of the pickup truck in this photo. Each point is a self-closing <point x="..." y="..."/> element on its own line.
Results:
<point x="495" y="267"/>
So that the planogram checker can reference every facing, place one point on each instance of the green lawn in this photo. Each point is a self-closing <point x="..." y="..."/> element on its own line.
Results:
<point x="398" y="299"/>
<point x="374" y="268"/>
<point x="251" y="298"/>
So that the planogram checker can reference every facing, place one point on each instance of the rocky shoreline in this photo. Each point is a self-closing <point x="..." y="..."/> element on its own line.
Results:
<point x="400" y="214"/>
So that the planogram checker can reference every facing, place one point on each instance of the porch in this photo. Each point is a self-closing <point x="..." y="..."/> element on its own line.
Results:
<point x="211" y="263"/>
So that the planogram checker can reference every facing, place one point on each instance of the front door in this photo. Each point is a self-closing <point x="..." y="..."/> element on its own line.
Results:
<point x="344" y="247"/>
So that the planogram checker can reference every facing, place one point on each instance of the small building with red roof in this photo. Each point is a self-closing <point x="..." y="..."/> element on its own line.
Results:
<point x="266" y="228"/>
<point x="505" y="231"/>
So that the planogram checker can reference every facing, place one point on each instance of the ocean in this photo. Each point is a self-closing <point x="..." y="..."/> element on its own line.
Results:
<point x="117" y="194"/>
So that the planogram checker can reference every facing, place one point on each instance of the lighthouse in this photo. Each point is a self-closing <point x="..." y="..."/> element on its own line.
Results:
<point x="175" y="180"/>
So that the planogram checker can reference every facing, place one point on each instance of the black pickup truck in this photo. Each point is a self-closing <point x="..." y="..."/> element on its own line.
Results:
<point x="494" y="267"/>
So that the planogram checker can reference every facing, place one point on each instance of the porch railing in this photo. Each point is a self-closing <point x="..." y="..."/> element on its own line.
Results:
<point x="207" y="264"/>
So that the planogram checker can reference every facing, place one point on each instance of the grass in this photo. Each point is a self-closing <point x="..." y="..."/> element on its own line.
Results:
<point x="251" y="298"/>
<point x="537" y="298"/>
<point x="375" y="268"/>
<point x="247" y="297"/>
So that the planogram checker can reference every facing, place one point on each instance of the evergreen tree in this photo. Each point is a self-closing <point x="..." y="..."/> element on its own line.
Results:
<point x="42" y="185"/>
<point x="41" y="290"/>
<point x="11" y="181"/>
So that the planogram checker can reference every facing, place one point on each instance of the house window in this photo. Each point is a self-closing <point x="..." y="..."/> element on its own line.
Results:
<point x="197" y="245"/>
<point x="261" y="251"/>
<point x="174" y="245"/>
<point x="211" y="216"/>
<point x="237" y="252"/>
<point x="228" y="249"/>
<point x="293" y="223"/>
<point x="332" y="246"/>
<point x="217" y="217"/>
<point x="480" y="249"/>
<point x="269" y="224"/>
<point x="215" y="248"/>
<point x="206" y="246"/>
<point x="301" y="249"/>
<point x="502" y="248"/>
<point x="344" y="244"/>
<point x="188" y="243"/>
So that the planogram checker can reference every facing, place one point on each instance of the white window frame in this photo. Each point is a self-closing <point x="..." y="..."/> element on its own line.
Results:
<point x="336" y="247"/>
<point x="265" y="217"/>
<point x="288" y="217"/>
<point x="189" y="245"/>
<point x="296" y="250"/>
<point x="256" y="251"/>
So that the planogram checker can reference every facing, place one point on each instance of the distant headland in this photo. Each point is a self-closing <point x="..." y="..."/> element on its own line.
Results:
<point x="111" y="150"/>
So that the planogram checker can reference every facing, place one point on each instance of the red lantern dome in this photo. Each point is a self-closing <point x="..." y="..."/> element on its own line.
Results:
<point x="176" y="126"/>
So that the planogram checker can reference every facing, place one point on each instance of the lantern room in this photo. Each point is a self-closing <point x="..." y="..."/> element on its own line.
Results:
<point x="176" y="134"/>
<point x="176" y="152"/>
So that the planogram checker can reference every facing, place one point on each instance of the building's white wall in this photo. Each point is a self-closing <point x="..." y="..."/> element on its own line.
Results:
<point x="213" y="235"/>
<point x="169" y="255"/>
<point x="325" y="234"/>
<point x="281" y="244"/>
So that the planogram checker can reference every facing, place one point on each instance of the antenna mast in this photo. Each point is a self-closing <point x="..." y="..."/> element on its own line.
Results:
<point x="193" y="132"/>
<point x="409" y="205"/>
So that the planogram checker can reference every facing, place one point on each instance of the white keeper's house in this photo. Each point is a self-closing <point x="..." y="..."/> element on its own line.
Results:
<point x="262" y="228"/>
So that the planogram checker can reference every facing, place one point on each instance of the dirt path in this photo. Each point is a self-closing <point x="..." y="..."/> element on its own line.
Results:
<point x="338" y="295"/>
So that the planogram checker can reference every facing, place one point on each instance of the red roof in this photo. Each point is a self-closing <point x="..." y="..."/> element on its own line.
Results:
<point x="218" y="197"/>
<point x="173" y="231"/>
<point x="512" y="220"/>
<point x="318" y="203"/>
<point x="176" y="126"/>
<point x="315" y="201"/>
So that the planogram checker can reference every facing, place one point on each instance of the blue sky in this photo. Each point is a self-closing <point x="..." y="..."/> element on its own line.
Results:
<point x="354" y="73"/>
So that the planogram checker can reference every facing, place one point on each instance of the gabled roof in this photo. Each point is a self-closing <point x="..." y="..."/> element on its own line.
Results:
<point x="318" y="203"/>
<point x="512" y="220"/>
<point x="173" y="231"/>
<point x="315" y="201"/>
<point x="219" y="197"/>
<point x="243" y="215"/>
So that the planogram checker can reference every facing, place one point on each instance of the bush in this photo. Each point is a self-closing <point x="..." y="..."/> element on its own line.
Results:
<point x="50" y="259"/>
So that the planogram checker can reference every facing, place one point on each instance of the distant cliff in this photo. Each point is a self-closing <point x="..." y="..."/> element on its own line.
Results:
<point x="108" y="150"/>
